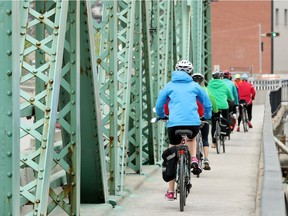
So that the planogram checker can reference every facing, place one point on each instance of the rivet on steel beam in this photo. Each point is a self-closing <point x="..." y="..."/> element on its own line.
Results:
<point x="73" y="102"/>
<point x="8" y="32"/>
<point x="56" y="27"/>
<point x="72" y="21"/>
<point x="72" y="92"/>
<point x="9" y="113"/>
<point x="72" y="11"/>
<point x="8" y="52"/>
<point x="37" y="201"/>
<point x="9" y="93"/>
<point x="48" y="109"/>
<point x="28" y="129"/>
<point x="72" y="173"/>
<point x="9" y="133"/>
<point x="32" y="99"/>
<point x="9" y="195"/>
<point x="73" y="51"/>
<point x="38" y="44"/>
<point x="57" y="159"/>
<point x="73" y="184"/>
<point x="9" y="73"/>
<point x="51" y="81"/>
<point x="43" y="146"/>
<point x="41" y="17"/>
<point x="58" y="199"/>
<point x="73" y="143"/>
<point x="73" y="62"/>
<point x="9" y="174"/>
<point x="41" y="170"/>
<point x="24" y="159"/>
<point x="9" y="154"/>
<point x="8" y="12"/>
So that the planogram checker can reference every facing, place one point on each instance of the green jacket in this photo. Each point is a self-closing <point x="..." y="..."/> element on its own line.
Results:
<point x="221" y="92"/>
<point x="212" y="99"/>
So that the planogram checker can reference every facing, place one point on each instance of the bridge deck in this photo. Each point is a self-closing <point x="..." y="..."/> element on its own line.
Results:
<point x="229" y="188"/>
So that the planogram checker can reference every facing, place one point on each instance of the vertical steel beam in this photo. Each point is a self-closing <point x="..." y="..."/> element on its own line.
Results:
<point x="207" y="53"/>
<point x="93" y="171"/>
<point x="9" y="109"/>
<point x="197" y="32"/>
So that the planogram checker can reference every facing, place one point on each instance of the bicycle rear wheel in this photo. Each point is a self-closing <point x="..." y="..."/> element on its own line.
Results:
<point x="244" y="120"/>
<point x="182" y="183"/>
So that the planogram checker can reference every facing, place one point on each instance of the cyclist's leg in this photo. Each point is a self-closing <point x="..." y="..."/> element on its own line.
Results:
<point x="173" y="140"/>
<point x="239" y="117"/>
<point x="205" y="133"/>
<point x="249" y="112"/>
<point x="191" y="143"/>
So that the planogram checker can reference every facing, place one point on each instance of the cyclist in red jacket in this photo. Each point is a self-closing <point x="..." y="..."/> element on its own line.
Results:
<point x="247" y="93"/>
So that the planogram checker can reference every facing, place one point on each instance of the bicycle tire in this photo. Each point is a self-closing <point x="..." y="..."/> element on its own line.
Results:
<point x="182" y="183"/>
<point x="222" y="141"/>
<point x="244" y="119"/>
<point x="217" y="136"/>
<point x="199" y="150"/>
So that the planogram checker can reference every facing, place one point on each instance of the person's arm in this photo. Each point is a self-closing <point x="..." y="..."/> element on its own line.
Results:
<point x="253" y="92"/>
<point x="161" y="100"/>
<point x="213" y="102"/>
<point x="205" y="101"/>
<point x="235" y="94"/>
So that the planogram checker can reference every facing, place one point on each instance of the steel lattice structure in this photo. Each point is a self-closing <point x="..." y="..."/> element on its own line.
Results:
<point x="77" y="94"/>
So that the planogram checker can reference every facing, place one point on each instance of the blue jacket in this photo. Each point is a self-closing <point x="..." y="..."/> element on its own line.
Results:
<point x="183" y="109"/>
<point x="233" y="89"/>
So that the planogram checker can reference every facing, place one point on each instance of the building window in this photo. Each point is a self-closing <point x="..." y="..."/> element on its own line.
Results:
<point x="277" y="17"/>
<point x="285" y="18"/>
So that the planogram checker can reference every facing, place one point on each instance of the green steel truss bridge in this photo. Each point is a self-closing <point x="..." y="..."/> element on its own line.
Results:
<point x="77" y="94"/>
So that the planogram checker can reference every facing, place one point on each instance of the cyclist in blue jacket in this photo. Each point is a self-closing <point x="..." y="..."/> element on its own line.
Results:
<point x="182" y="92"/>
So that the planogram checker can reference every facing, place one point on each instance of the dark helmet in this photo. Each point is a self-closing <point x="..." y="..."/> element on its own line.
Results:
<point x="226" y="74"/>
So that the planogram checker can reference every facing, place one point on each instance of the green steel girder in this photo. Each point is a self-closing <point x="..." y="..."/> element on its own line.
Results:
<point x="9" y="109"/>
<point x="94" y="187"/>
<point x="98" y="80"/>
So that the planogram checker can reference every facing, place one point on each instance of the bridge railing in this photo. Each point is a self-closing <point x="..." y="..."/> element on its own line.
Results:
<point x="272" y="200"/>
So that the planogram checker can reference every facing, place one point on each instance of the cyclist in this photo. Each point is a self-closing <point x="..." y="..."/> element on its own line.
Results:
<point x="182" y="92"/>
<point x="227" y="79"/>
<point x="237" y="79"/>
<point x="199" y="78"/>
<point x="222" y="94"/>
<point x="247" y="93"/>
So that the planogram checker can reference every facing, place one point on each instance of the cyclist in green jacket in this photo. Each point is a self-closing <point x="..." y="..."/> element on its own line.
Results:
<point x="199" y="78"/>
<point x="222" y="94"/>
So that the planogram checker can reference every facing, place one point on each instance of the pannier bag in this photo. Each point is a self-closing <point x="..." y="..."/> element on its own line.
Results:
<point x="169" y="164"/>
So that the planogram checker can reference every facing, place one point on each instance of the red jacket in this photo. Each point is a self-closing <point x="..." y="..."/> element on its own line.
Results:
<point x="246" y="91"/>
<point x="200" y="108"/>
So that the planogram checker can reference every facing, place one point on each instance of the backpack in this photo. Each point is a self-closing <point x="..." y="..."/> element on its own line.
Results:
<point x="169" y="164"/>
<point x="225" y="127"/>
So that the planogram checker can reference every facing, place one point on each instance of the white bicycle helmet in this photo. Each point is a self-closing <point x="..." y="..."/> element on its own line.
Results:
<point x="198" y="77"/>
<point x="216" y="74"/>
<point x="184" y="65"/>
<point x="244" y="76"/>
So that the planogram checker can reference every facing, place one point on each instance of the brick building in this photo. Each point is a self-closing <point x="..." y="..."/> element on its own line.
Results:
<point x="236" y="28"/>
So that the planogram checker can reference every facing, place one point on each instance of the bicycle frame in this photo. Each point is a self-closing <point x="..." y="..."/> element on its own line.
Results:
<point x="183" y="174"/>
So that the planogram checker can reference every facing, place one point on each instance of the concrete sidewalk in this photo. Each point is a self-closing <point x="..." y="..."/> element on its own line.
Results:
<point x="229" y="188"/>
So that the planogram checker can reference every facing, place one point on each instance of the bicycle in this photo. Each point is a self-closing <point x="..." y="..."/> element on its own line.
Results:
<point x="183" y="174"/>
<point x="220" y="133"/>
<point x="183" y="170"/>
<point x="244" y="115"/>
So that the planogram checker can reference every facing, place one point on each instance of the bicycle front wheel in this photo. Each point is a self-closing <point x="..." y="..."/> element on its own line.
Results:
<point x="217" y="136"/>
<point x="222" y="141"/>
<point x="182" y="185"/>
